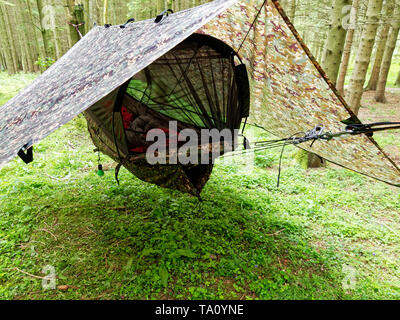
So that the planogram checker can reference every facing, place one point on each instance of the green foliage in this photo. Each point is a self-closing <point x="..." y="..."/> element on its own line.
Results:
<point x="302" y="158"/>
<point x="246" y="240"/>
<point x="44" y="63"/>
<point x="9" y="86"/>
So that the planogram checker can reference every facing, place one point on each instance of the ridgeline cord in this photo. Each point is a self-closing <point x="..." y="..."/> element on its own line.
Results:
<point x="251" y="26"/>
<point x="316" y="133"/>
<point x="76" y="26"/>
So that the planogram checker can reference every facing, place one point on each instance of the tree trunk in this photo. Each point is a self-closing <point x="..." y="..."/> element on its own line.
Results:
<point x="26" y="49"/>
<point x="105" y="11"/>
<point x="364" y="55"/>
<point x="31" y="34"/>
<point x="88" y="24"/>
<point x="336" y="40"/>
<point x="40" y="48"/>
<point x="397" y="83"/>
<point x="387" y="57"/>
<point x="332" y="56"/>
<point x="45" y="30"/>
<point x="347" y="48"/>
<point x="380" y="50"/>
<point x="11" y="38"/>
<point x="75" y="16"/>
<point x="5" y="44"/>
<point x="292" y="10"/>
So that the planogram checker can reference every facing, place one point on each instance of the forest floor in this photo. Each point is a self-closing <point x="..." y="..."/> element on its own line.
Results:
<point x="326" y="233"/>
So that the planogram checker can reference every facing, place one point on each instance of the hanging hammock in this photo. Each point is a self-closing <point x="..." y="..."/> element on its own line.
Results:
<point x="200" y="84"/>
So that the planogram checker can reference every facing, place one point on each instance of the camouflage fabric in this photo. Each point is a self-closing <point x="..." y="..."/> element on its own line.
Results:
<point x="100" y="62"/>
<point x="289" y="91"/>
<point x="185" y="178"/>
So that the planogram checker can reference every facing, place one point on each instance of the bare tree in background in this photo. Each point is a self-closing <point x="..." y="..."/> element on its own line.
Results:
<point x="388" y="55"/>
<point x="381" y="44"/>
<point x="363" y="57"/>
<point x="348" y="47"/>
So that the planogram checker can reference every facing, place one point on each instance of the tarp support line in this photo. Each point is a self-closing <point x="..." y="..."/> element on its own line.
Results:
<point x="252" y="25"/>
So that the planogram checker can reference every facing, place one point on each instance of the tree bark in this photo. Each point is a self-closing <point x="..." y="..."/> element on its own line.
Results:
<point x="380" y="50"/>
<point x="292" y="10"/>
<point x="387" y="57"/>
<point x="11" y="38"/>
<point x="336" y="40"/>
<point x="332" y="55"/>
<point x="5" y="44"/>
<point x="46" y="36"/>
<point x="75" y="16"/>
<point x="105" y="11"/>
<point x="40" y="48"/>
<point x="364" y="55"/>
<point x="397" y="83"/>
<point x="347" y="48"/>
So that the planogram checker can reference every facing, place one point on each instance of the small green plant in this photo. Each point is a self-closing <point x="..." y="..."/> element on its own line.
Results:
<point x="44" y="63"/>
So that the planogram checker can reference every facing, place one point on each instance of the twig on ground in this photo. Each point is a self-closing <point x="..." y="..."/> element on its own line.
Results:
<point x="45" y="230"/>
<point x="29" y="274"/>
<point x="275" y="233"/>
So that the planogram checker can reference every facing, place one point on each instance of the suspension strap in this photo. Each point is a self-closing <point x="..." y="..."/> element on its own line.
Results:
<point x="163" y="15"/>
<point x="26" y="152"/>
<point x="123" y="26"/>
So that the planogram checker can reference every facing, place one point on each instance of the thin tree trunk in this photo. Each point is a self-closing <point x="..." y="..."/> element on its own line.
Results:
<point x="397" y="83"/>
<point x="40" y="48"/>
<point x="292" y="10"/>
<point x="31" y="35"/>
<point x="88" y="25"/>
<point x="347" y="48"/>
<point x="11" y="38"/>
<point x="45" y="33"/>
<point x="380" y="50"/>
<point x="75" y="17"/>
<point x="332" y="55"/>
<point x="387" y="57"/>
<point x="336" y="40"/>
<point x="105" y="12"/>
<point x="364" y="55"/>
<point x="6" y="44"/>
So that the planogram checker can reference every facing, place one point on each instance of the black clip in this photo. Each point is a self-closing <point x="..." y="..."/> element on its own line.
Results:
<point x="122" y="26"/>
<point x="26" y="152"/>
<point x="107" y="25"/>
<point x="163" y="14"/>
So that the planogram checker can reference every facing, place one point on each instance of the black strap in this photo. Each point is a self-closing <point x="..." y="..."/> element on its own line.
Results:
<point x="118" y="167"/>
<point x="122" y="26"/>
<point x="163" y="14"/>
<point x="26" y="153"/>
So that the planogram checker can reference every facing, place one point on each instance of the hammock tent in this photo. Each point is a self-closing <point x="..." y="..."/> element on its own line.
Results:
<point x="206" y="67"/>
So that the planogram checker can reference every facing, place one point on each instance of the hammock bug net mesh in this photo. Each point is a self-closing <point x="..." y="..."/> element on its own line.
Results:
<point x="200" y="84"/>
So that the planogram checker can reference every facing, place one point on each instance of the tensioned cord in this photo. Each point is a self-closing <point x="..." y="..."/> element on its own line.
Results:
<point x="316" y="133"/>
<point x="251" y="26"/>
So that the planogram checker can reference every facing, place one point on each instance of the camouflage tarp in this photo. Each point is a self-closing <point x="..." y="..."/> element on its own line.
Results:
<point x="289" y="91"/>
